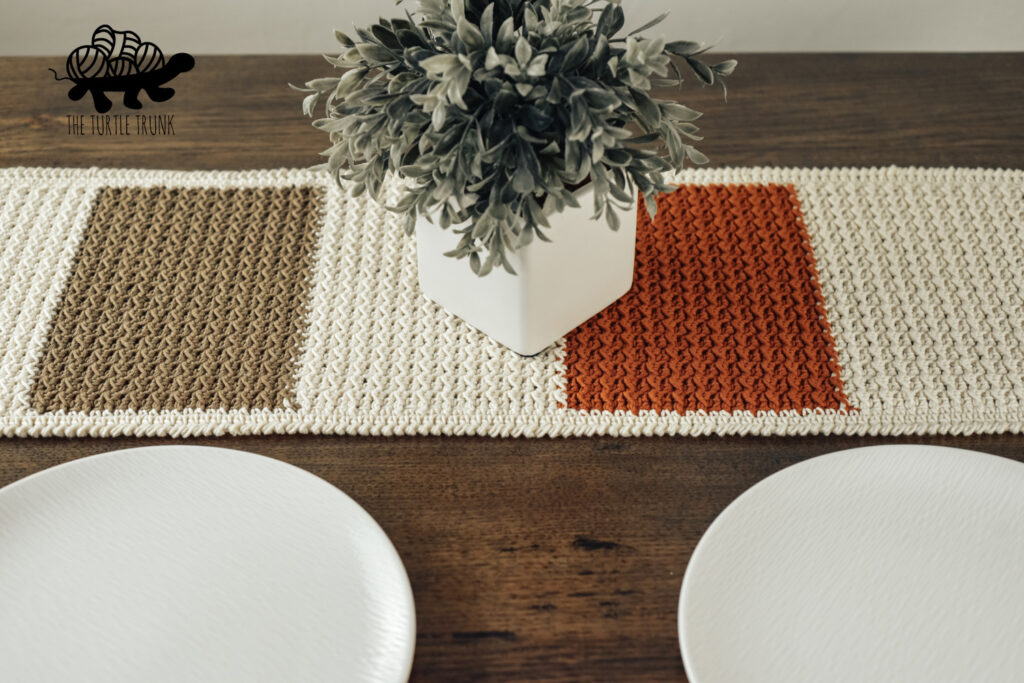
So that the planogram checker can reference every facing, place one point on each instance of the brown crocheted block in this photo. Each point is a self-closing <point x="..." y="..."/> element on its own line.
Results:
<point x="725" y="314"/>
<point x="183" y="299"/>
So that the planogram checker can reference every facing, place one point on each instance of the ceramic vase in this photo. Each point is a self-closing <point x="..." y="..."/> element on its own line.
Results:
<point x="558" y="286"/>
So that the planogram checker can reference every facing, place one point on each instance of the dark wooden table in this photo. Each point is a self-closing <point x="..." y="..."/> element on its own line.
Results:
<point x="551" y="560"/>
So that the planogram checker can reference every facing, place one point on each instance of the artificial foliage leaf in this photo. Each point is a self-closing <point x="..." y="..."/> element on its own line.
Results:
<point x="702" y="70"/>
<point x="470" y="35"/>
<point x="650" y="24"/>
<point x="343" y="39"/>
<point x="725" y="68"/>
<point x="684" y="48"/>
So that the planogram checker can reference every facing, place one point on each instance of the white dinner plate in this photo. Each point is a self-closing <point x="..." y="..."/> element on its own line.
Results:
<point x="186" y="564"/>
<point x="900" y="564"/>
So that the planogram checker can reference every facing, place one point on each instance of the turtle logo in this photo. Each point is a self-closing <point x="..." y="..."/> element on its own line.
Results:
<point x="117" y="61"/>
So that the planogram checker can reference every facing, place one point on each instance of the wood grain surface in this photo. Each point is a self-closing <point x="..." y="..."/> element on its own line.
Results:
<point x="548" y="560"/>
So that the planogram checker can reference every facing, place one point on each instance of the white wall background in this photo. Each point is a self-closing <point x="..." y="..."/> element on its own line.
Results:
<point x="54" y="27"/>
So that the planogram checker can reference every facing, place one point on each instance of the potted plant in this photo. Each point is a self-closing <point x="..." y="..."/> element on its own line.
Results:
<point x="514" y="126"/>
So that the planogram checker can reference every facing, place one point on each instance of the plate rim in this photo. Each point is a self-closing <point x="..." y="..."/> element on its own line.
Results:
<point x="407" y="596"/>
<point x="686" y="588"/>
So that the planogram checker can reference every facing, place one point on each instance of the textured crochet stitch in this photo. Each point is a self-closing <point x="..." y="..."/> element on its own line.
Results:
<point x="766" y="301"/>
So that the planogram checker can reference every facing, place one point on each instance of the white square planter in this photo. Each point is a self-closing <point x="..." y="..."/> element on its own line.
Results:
<point x="586" y="267"/>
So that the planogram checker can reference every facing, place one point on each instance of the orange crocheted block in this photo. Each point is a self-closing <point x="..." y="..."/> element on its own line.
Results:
<point x="725" y="313"/>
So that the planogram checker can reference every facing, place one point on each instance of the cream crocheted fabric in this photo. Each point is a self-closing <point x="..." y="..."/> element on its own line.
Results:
<point x="767" y="301"/>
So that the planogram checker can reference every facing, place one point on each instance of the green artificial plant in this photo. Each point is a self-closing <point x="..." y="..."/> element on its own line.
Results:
<point x="491" y="108"/>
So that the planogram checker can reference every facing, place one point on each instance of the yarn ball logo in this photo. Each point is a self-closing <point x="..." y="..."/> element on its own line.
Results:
<point x="118" y="61"/>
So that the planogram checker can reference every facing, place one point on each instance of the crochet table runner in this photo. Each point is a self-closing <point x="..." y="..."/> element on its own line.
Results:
<point x="766" y="301"/>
